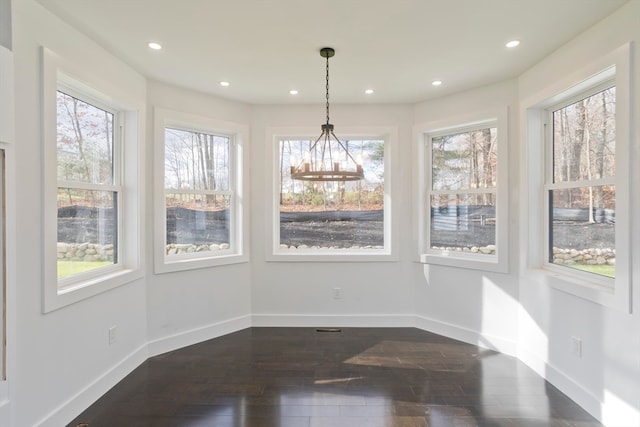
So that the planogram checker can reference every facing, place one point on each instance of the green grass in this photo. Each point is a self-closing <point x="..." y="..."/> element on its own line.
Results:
<point x="69" y="268"/>
<point x="603" y="270"/>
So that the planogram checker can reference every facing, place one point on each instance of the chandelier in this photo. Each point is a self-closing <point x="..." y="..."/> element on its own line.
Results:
<point x="328" y="159"/>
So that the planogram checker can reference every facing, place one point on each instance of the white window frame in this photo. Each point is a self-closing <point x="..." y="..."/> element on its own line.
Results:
<point x="390" y="251"/>
<point x="423" y="135"/>
<point x="615" y="293"/>
<point x="57" y="74"/>
<point x="238" y="134"/>
<point x="7" y="228"/>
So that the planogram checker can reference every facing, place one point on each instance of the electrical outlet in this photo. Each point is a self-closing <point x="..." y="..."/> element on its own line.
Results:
<point x="337" y="293"/>
<point x="576" y="346"/>
<point x="112" y="335"/>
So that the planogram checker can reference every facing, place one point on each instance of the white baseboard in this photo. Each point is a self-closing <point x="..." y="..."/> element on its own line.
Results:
<point x="197" y="335"/>
<point x="323" y="320"/>
<point x="469" y="336"/>
<point x="576" y="392"/>
<point x="70" y="409"/>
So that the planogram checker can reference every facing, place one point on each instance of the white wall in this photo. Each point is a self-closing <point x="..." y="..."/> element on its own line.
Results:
<point x="606" y="379"/>
<point x="473" y="305"/>
<point x="187" y="307"/>
<point x="62" y="359"/>
<point x="290" y="293"/>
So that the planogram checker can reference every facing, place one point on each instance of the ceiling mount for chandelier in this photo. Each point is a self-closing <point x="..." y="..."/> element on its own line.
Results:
<point x="328" y="159"/>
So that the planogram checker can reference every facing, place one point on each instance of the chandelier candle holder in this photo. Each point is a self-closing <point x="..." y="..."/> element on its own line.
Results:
<point x="328" y="159"/>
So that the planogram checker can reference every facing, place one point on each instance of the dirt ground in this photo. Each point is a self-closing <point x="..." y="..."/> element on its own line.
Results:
<point x="334" y="228"/>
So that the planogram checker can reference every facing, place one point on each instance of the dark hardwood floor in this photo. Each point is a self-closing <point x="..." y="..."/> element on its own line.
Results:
<point x="359" y="377"/>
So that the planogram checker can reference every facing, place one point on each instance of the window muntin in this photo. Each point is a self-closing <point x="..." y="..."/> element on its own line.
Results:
<point x="581" y="186"/>
<point x="463" y="191"/>
<point x="199" y="199"/>
<point x="318" y="217"/>
<point x="88" y="189"/>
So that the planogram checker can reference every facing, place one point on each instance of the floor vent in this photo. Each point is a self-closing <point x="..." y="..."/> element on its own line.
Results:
<point x="328" y="330"/>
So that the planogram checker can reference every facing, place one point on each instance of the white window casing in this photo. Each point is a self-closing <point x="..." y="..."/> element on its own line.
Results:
<point x="497" y="260"/>
<point x="387" y="252"/>
<point x="59" y="74"/>
<point x="606" y="71"/>
<point x="237" y="249"/>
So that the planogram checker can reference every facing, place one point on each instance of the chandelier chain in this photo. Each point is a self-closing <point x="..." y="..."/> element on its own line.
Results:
<point x="327" y="89"/>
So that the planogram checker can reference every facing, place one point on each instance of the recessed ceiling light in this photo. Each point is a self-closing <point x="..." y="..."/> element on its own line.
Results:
<point x="223" y="83"/>
<point x="436" y="82"/>
<point x="513" y="43"/>
<point x="368" y="91"/>
<point x="154" y="45"/>
<point x="293" y="92"/>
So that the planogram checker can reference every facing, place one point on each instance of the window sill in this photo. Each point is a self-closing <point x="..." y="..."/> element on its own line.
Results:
<point x="185" y="264"/>
<point x="55" y="299"/>
<point x="601" y="291"/>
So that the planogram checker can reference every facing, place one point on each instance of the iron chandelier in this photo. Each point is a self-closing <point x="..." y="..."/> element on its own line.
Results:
<point x="328" y="159"/>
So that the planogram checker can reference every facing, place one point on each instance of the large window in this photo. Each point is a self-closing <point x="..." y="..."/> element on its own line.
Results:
<point x="332" y="215"/>
<point x="332" y="220"/>
<point x="464" y="202"/>
<point x="463" y="191"/>
<point x="200" y="221"/>
<point x="581" y="183"/>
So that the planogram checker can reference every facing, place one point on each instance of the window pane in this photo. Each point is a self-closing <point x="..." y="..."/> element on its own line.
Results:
<point x="464" y="160"/>
<point x="196" y="161"/>
<point x="85" y="141"/>
<point x="87" y="230"/>
<point x="197" y="223"/>
<point x="584" y="138"/>
<point x="339" y="215"/>
<point x="464" y="222"/>
<point x="582" y="234"/>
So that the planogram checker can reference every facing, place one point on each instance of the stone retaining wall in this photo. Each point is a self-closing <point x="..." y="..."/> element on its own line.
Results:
<point x="85" y="252"/>
<point x="307" y="247"/>
<point x="97" y="252"/>
<point x="186" y="248"/>
<point x="485" y="250"/>
<point x="591" y="256"/>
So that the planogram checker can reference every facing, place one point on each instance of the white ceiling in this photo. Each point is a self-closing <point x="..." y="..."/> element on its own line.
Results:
<point x="264" y="48"/>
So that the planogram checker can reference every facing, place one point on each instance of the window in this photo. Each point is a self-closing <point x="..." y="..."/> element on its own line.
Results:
<point x="91" y="180"/>
<point x="200" y="221"/>
<point x="581" y="183"/>
<point x="89" y="188"/>
<point x="333" y="220"/>
<point x="576" y="223"/>
<point x="464" y="202"/>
